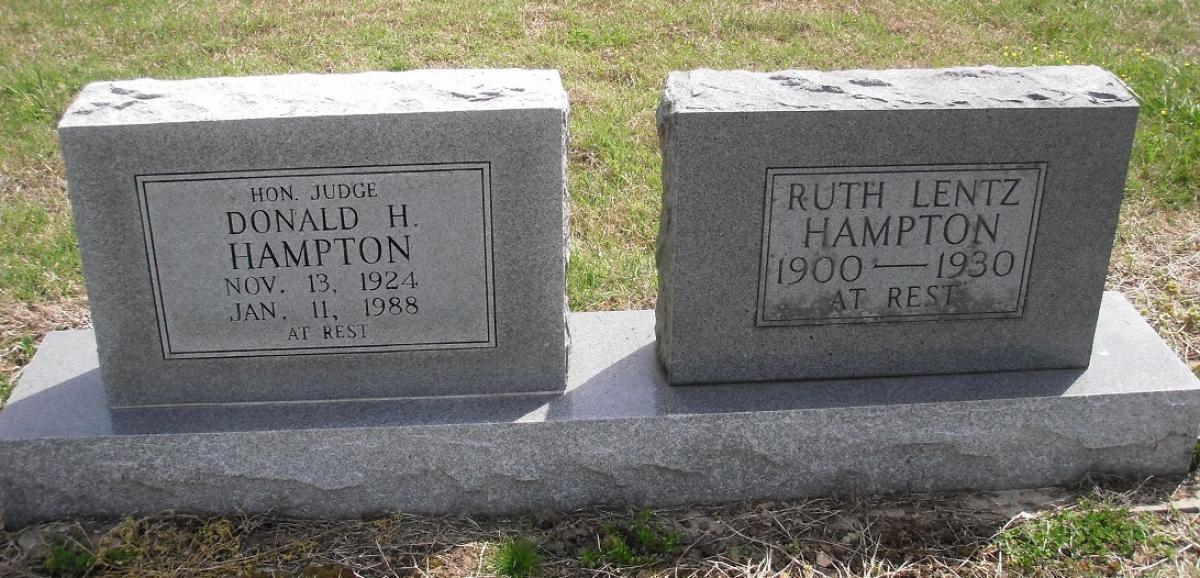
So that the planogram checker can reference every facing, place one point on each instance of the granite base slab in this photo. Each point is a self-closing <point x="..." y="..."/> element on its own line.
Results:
<point x="618" y="436"/>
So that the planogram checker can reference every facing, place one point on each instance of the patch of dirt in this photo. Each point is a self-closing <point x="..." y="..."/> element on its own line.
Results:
<point x="538" y="18"/>
<point x="42" y="182"/>
<point x="807" y="6"/>
<point x="22" y="320"/>
<point x="22" y="327"/>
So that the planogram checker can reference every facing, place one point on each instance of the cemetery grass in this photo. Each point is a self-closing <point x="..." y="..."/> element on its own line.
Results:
<point x="613" y="57"/>
<point x="1107" y="529"/>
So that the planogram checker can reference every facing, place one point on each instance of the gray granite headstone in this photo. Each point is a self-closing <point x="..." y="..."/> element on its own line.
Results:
<point x="316" y="237"/>
<point x="897" y="222"/>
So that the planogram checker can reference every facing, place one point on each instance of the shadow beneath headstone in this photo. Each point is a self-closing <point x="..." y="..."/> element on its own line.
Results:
<point x="329" y="414"/>
<point x="636" y="386"/>
<point x="629" y="386"/>
<point x="73" y="407"/>
<point x="606" y="383"/>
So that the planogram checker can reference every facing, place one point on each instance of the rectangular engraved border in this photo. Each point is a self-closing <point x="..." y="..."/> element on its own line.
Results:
<point x="772" y="172"/>
<point x="485" y="174"/>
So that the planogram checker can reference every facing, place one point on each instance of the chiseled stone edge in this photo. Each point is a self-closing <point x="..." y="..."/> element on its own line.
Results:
<point x="513" y="467"/>
<point x="148" y="101"/>
<point x="665" y="241"/>
<point x="566" y="233"/>
<point x="982" y="87"/>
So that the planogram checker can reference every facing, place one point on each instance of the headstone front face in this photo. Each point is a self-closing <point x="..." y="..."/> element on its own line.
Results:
<point x="862" y="223"/>
<point x="322" y="237"/>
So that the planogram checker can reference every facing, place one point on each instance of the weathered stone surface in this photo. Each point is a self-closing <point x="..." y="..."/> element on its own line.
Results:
<point x="897" y="222"/>
<point x="321" y="237"/>
<point x="619" y="435"/>
<point x="151" y="101"/>
<point x="905" y="89"/>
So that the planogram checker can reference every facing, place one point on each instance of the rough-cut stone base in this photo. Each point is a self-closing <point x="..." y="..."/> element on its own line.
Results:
<point x="619" y="435"/>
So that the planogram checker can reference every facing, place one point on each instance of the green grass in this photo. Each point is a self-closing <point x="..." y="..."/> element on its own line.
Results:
<point x="69" y="558"/>
<point x="39" y="261"/>
<point x="515" y="558"/>
<point x="18" y="353"/>
<point x="640" y="540"/>
<point x="1089" y="537"/>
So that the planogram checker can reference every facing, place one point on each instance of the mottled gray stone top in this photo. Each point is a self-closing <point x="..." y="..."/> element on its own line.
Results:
<point x="979" y="87"/>
<point x="149" y="101"/>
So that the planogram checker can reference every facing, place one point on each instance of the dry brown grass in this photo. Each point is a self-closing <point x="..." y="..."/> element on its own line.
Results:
<point x="42" y="182"/>
<point x="24" y="322"/>
<point x="921" y="535"/>
<point x="22" y="327"/>
<point x="537" y="18"/>
<point x="807" y="6"/>
<point x="1156" y="263"/>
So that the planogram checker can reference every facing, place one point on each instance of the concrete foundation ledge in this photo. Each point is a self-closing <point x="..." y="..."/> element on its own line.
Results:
<point x="617" y="436"/>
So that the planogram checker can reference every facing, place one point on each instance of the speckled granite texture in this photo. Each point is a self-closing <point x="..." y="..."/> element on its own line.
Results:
<point x="618" y="436"/>
<point x="146" y="100"/>
<point x="978" y="87"/>
<point x="724" y="134"/>
<point x="513" y="122"/>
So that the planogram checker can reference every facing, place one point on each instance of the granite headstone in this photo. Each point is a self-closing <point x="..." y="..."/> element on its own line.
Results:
<point x="321" y="237"/>
<point x="895" y="222"/>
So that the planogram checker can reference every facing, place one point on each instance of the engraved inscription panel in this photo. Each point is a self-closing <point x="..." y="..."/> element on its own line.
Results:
<point x="897" y="243"/>
<point x="322" y="260"/>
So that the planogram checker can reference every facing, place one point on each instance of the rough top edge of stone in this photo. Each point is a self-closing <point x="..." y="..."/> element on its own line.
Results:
<point x="151" y="101"/>
<point x="705" y="90"/>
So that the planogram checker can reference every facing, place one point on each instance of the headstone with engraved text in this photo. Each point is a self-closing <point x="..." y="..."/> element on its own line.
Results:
<point x="317" y="237"/>
<point x="861" y="223"/>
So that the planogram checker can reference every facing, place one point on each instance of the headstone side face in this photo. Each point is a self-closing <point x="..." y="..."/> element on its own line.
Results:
<point x="323" y="237"/>
<point x="663" y="258"/>
<point x="867" y="223"/>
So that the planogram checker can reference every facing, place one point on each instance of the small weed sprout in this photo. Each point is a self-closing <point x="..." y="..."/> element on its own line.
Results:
<point x="591" y="558"/>
<point x="69" y="558"/>
<point x="6" y="388"/>
<point x="515" y="558"/>
<point x="25" y="349"/>
<point x="640" y="541"/>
